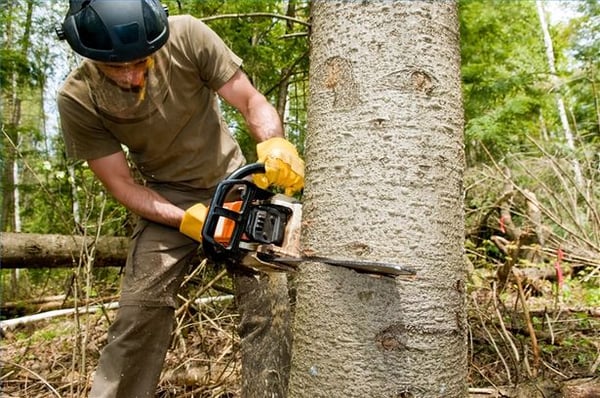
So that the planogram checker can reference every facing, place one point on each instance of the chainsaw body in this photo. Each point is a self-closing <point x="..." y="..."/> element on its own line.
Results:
<point x="254" y="228"/>
<point x="246" y="225"/>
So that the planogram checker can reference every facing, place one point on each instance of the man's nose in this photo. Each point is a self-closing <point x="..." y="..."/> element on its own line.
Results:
<point x="135" y="76"/>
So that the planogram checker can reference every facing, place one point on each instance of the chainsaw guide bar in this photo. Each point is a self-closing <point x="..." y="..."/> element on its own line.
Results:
<point x="374" y="267"/>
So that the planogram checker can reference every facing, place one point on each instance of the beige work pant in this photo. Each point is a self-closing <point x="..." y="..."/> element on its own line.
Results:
<point x="131" y="362"/>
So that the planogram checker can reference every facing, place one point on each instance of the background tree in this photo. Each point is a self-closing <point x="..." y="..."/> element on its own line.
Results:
<point x="384" y="182"/>
<point x="16" y="43"/>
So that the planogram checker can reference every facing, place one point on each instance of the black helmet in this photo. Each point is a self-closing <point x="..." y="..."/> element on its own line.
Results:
<point x="115" y="30"/>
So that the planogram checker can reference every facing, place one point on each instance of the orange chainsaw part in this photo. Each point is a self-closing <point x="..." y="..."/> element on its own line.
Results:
<point x="226" y="226"/>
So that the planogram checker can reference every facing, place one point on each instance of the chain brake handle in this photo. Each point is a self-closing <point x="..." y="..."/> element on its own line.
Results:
<point x="217" y="211"/>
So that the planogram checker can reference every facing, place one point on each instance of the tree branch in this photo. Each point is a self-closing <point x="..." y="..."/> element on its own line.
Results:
<point x="255" y="15"/>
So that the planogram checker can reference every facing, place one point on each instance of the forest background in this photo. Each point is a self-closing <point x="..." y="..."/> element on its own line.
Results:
<point x="532" y="139"/>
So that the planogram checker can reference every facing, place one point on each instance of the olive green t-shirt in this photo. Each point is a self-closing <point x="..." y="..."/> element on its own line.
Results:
<point x="174" y="132"/>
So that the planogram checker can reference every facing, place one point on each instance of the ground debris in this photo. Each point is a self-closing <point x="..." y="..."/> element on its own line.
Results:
<point x="45" y="359"/>
<point x="586" y="387"/>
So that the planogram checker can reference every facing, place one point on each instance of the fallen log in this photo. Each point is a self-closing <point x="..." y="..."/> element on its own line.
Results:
<point x="35" y="301"/>
<point x="43" y="304"/>
<point x="22" y="250"/>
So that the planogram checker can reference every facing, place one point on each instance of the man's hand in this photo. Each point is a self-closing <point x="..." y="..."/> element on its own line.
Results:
<point x="193" y="221"/>
<point x="283" y="166"/>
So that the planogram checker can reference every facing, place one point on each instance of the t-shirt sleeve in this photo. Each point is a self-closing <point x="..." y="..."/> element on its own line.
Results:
<point x="216" y="62"/>
<point x="84" y="138"/>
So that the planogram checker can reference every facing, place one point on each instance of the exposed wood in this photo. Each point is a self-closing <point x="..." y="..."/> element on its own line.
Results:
<point x="21" y="250"/>
<point x="582" y="388"/>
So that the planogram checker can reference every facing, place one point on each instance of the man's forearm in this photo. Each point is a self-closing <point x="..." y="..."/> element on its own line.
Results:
<point x="149" y="204"/>
<point x="261" y="116"/>
<point x="113" y="171"/>
<point x="263" y="120"/>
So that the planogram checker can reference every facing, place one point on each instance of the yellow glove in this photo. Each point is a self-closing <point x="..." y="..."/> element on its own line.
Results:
<point x="193" y="221"/>
<point x="283" y="166"/>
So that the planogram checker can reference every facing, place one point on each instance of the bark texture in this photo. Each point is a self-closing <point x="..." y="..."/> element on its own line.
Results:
<point x="385" y="162"/>
<point x="21" y="250"/>
<point x="264" y="328"/>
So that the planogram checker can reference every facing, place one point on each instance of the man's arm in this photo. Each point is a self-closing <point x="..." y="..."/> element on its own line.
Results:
<point x="260" y="115"/>
<point x="113" y="171"/>
<point x="283" y="166"/>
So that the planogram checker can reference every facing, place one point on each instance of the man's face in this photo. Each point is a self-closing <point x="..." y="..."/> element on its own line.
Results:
<point x="127" y="75"/>
<point x="128" y="89"/>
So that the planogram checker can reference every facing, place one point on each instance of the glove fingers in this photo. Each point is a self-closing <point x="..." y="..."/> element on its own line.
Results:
<point x="283" y="167"/>
<point x="296" y="185"/>
<point x="261" y="181"/>
<point x="281" y="175"/>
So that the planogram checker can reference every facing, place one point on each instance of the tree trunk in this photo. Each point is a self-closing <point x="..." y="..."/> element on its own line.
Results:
<point x="385" y="164"/>
<point x="20" y="250"/>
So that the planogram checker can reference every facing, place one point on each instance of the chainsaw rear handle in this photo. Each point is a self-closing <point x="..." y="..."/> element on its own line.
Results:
<point x="218" y="212"/>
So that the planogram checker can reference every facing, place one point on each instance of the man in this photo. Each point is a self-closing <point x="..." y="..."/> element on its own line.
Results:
<point x="149" y="83"/>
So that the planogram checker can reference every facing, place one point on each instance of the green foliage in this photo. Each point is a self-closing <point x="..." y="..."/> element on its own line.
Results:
<point x="256" y="32"/>
<point x="592" y="296"/>
<point x="583" y="71"/>
<point x="508" y="100"/>
<point x="586" y="35"/>
<point x="503" y="68"/>
<point x="15" y="64"/>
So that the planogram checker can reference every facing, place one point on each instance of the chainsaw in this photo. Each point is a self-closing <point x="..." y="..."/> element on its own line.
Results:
<point x="257" y="229"/>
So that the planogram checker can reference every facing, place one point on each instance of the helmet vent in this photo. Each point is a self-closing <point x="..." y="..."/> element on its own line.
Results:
<point x="92" y="31"/>
<point x="128" y="33"/>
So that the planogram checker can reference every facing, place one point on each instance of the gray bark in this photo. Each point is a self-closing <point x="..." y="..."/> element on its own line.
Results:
<point x="265" y="334"/>
<point x="384" y="173"/>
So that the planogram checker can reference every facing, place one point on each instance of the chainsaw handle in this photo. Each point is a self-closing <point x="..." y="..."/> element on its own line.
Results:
<point x="218" y="211"/>
<point x="247" y="170"/>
